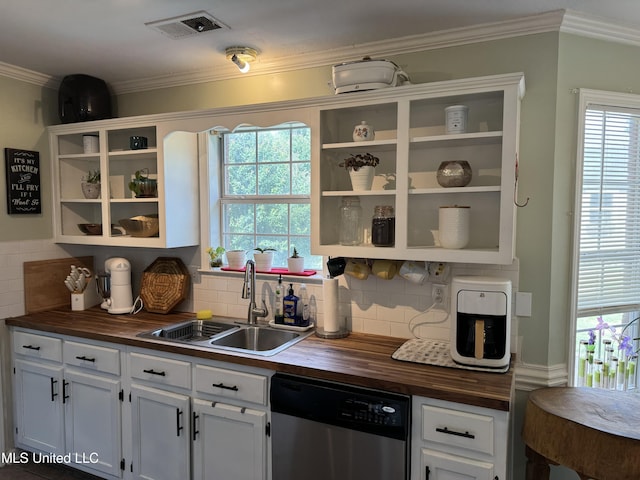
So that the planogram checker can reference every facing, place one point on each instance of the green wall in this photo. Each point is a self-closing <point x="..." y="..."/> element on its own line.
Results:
<point x="26" y="110"/>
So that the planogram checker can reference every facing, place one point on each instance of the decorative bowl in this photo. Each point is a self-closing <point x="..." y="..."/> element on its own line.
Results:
<point x="90" y="228"/>
<point x="141" y="226"/>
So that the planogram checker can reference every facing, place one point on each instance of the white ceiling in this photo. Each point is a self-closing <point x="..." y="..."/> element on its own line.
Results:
<point x="108" y="38"/>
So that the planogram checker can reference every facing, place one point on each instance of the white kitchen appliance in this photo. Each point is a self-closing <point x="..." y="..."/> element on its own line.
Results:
<point x="120" y="297"/>
<point x="481" y="321"/>
<point x="367" y="74"/>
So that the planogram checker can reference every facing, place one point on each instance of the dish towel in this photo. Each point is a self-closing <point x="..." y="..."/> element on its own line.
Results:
<point x="434" y="352"/>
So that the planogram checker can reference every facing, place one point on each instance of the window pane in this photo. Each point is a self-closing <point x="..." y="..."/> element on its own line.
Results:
<point x="300" y="215"/>
<point x="239" y="218"/>
<point x="301" y="145"/>
<point x="240" y="147"/>
<point x="241" y="180"/>
<point x="274" y="146"/>
<point x="273" y="179"/>
<point x="272" y="218"/>
<point x="301" y="184"/>
<point x="278" y="243"/>
<point x="239" y="242"/>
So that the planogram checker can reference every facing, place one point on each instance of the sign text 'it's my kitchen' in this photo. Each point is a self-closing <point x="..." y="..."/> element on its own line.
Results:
<point x="23" y="181"/>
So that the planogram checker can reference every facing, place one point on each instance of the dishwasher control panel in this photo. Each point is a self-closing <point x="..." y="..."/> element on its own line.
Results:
<point x="374" y="412"/>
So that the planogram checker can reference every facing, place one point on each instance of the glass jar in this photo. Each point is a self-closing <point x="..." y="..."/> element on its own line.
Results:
<point x="631" y="370"/>
<point x="351" y="231"/>
<point x="582" y="362"/>
<point x="383" y="226"/>
<point x="597" y="373"/>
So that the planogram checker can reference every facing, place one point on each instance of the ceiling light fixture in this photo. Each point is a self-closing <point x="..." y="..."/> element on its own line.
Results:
<point x="241" y="57"/>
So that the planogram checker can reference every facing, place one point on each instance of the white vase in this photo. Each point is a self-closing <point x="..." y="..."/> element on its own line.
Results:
<point x="263" y="261"/>
<point x="295" y="265"/>
<point x="362" y="179"/>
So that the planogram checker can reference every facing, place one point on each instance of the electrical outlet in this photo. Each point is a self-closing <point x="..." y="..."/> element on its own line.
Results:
<point x="439" y="296"/>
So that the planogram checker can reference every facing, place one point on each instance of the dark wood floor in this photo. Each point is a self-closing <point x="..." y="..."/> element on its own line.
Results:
<point x="41" y="471"/>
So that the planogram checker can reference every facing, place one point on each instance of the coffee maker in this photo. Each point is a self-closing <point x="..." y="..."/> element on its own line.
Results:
<point x="481" y="321"/>
<point x="115" y="286"/>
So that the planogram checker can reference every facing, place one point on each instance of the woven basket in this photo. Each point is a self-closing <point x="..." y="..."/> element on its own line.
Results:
<point x="165" y="283"/>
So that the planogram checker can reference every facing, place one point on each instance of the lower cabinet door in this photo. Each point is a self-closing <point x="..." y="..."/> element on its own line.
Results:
<point x="443" y="466"/>
<point x="161" y="434"/>
<point x="230" y="442"/>
<point x="93" y="419"/>
<point x="38" y="407"/>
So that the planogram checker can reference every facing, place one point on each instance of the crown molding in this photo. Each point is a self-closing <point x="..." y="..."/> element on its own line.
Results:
<point x="28" y="76"/>
<point x="566" y="21"/>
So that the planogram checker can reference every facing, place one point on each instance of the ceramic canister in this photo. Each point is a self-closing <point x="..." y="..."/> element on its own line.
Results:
<point x="456" y="118"/>
<point x="454" y="226"/>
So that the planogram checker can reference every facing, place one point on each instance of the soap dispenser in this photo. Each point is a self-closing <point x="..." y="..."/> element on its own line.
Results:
<point x="303" y="307"/>
<point x="291" y="307"/>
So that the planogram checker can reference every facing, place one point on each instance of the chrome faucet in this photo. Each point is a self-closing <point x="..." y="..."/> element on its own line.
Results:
<point x="249" y="291"/>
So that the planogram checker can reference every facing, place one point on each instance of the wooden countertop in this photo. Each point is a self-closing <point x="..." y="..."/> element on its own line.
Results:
<point x="359" y="359"/>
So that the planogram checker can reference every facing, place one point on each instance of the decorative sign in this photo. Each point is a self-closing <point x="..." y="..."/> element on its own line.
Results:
<point x="23" y="181"/>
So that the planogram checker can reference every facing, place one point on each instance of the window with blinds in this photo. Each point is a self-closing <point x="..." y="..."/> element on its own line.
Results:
<point x="606" y="269"/>
<point x="609" y="229"/>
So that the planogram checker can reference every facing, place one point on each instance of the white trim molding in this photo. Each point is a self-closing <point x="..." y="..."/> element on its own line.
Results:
<point x="566" y="21"/>
<point x="530" y="377"/>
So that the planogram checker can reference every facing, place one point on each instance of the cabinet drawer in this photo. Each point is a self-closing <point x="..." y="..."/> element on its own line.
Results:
<point x="231" y="384"/>
<point x="92" y="357"/>
<point x="454" y="427"/>
<point x="164" y="371"/>
<point x="38" y="346"/>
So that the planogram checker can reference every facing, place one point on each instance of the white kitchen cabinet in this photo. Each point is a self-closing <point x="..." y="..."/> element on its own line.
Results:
<point x="161" y="434"/>
<point x="67" y="401"/>
<point x="170" y="158"/>
<point x="463" y="442"/>
<point x="411" y="143"/>
<point x="93" y="422"/>
<point x="39" y="420"/>
<point x="230" y="441"/>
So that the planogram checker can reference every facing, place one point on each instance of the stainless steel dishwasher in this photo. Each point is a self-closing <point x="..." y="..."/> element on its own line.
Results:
<point x="327" y="431"/>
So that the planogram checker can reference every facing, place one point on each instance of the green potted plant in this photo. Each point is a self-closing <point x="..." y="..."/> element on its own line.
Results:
<point x="143" y="186"/>
<point x="215" y="256"/>
<point x="263" y="258"/>
<point x="91" y="184"/>
<point x="361" y="168"/>
<point x="295" y="263"/>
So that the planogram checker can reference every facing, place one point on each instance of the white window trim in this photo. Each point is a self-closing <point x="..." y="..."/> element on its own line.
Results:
<point x="586" y="98"/>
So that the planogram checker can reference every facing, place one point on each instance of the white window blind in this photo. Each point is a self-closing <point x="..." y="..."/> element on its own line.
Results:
<point x="609" y="228"/>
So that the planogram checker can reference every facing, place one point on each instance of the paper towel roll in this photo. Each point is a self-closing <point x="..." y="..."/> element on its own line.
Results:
<point x="331" y="308"/>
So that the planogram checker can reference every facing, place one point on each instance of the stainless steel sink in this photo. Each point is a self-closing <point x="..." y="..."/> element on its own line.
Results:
<point x="261" y="340"/>
<point x="256" y="340"/>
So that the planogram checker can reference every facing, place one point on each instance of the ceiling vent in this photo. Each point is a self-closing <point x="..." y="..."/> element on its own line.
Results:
<point x="186" y="25"/>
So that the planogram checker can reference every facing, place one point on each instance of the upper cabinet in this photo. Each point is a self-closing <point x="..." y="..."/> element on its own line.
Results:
<point x="117" y="149"/>
<point x="411" y="141"/>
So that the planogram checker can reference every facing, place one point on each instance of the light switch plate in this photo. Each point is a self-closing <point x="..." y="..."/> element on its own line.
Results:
<point x="523" y="304"/>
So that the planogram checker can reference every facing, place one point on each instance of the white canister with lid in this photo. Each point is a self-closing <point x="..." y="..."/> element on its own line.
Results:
<point x="456" y="118"/>
<point x="363" y="132"/>
<point x="454" y="226"/>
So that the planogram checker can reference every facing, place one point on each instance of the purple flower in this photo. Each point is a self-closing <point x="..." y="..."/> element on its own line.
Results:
<point x="601" y="324"/>
<point x="626" y="346"/>
<point x="592" y="337"/>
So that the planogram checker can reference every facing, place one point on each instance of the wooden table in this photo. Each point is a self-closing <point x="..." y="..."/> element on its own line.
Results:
<point x="594" y="432"/>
